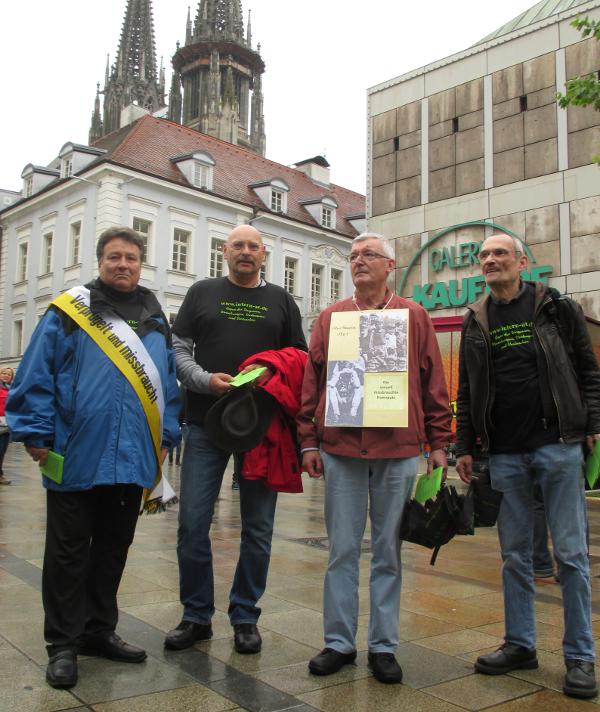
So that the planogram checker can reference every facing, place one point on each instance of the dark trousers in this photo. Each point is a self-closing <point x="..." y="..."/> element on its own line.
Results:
<point x="88" y="535"/>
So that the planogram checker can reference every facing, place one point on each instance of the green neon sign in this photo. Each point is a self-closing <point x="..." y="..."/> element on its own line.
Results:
<point x="458" y="293"/>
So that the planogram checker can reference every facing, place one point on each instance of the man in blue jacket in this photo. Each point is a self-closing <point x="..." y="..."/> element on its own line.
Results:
<point x="96" y="385"/>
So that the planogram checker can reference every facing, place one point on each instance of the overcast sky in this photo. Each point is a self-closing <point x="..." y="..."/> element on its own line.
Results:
<point x="320" y="55"/>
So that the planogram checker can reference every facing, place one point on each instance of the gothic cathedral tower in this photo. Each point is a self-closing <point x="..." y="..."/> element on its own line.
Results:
<point x="133" y="78"/>
<point x="220" y="75"/>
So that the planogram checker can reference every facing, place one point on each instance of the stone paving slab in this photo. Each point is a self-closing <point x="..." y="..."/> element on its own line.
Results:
<point x="450" y="614"/>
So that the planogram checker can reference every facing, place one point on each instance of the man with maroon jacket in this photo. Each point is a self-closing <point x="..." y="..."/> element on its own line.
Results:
<point x="370" y="469"/>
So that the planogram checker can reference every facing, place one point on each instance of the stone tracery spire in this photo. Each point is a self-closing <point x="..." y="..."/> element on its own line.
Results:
<point x="133" y="78"/>
<point x="220" y="74"/>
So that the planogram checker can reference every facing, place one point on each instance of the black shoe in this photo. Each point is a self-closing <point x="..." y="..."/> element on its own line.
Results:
<point x="508" y="657"/>
<point x="246" y="638"/>
<point x="385" y="668"/>
<point x="186" y="634"/>
<point x="62" y="669"/>
<point x="113" y="647"/>
<point x="329" y="661"/>
<point x="580" y="680"/>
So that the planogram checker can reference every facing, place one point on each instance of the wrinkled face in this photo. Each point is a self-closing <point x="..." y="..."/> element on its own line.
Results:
<point x="368" y="265"/>
<point x="501" y="265"/>
<point x="6" y="375"/>
<point x="120" y="265"/>
<point x="244" y="252"/>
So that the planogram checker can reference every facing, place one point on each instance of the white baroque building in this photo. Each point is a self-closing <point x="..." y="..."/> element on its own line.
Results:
<point x="183" y="191"/>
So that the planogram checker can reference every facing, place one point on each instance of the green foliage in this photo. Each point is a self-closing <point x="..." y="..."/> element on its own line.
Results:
<point x="583" y="91"/>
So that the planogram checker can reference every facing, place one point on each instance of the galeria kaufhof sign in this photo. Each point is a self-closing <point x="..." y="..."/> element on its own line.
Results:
<point x="466" y="290"/>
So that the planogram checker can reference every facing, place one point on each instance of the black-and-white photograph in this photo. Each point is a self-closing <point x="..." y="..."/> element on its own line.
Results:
<point x="383" y="342"/>
<point x="345" y="393"/>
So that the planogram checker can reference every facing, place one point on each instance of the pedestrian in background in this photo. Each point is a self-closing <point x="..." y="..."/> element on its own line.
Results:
<point x="6" y="378"/>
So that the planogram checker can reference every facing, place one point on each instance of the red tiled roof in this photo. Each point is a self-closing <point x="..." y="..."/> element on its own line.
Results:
<point x="150" y="143"/>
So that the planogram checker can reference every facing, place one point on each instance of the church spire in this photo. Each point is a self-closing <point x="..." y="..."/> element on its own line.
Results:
<point x="133" y="78"/>
<point x="96" y="127"/>
<point x="220" y="74"/>
<point x="219" y="20"/>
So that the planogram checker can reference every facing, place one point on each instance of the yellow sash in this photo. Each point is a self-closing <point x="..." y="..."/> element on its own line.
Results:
<point x="101" y="331"/>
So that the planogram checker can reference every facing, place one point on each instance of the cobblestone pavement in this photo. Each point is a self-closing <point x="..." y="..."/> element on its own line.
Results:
<point x="450" y="614"/>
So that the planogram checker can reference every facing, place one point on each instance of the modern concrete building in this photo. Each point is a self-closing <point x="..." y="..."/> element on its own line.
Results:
<point x="183" y="191"/>
<point x="476" y="140"/>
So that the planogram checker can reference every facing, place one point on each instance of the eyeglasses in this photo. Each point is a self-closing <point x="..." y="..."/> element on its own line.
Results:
<point x="239" y="246"/>
<point x="499" y="252"/>
<point x="367" y="255"/>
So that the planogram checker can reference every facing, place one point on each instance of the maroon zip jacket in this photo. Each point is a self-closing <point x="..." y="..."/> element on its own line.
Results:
<point x="429" y="416"/>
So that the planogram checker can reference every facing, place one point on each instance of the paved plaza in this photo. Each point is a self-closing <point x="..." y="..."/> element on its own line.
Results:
<point x="450" y="614"/>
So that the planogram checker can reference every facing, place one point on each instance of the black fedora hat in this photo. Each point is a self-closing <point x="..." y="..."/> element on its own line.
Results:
<point x="238" y="421"/>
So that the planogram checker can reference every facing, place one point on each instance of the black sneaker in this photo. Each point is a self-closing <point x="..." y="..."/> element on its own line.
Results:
<point x="385" y="668"/>
<point x="580" y="680"/>
<point x="508" y="657"/>
<point x="329" y="661"/>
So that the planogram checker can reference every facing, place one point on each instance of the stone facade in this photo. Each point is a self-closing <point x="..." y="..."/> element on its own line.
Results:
<point x="479" y="138"/>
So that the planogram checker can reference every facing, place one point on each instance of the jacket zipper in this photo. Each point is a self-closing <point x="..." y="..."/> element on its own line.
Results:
<point x="487" y="400"/>
<point x="541" y="343"/>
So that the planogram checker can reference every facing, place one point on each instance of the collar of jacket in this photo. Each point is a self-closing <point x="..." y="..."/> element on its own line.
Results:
<point x="151" y="316"/>
<point x="479" y="308"/>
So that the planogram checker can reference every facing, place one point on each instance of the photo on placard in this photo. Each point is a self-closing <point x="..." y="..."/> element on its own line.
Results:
<point x="383" y="341"/>
<point x="345" y="394"/>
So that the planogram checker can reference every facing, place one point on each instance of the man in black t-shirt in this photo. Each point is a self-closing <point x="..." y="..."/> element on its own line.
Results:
<point x="529" y="390"/>
<point x="221" y="323"/>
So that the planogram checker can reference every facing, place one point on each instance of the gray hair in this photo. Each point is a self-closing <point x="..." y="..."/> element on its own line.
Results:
<point x="123" y="233"/>
<point x="386" y="246"/>
<point x="516" y="241"/>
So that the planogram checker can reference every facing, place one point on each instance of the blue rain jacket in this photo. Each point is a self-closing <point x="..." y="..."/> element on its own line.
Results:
<point x="68" y="396"/>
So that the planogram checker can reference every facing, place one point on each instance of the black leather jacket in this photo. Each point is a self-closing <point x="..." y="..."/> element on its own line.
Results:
<point x="568" y="370"/>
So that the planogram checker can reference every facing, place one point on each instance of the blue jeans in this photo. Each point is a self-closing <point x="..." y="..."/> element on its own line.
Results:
<point x="201" y="476"/>
<point x="558" y="470"/>
<point x="354" y="487"/>
<point x="542" y="558"/>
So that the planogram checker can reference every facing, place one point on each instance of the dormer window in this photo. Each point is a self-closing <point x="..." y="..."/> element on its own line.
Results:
<point x="201" y="175"/>
<point x="273" y="193"/>
<point x="322" y="210"/>
<point x="197" y="168"/>
<point x="66" y="168"/>
<point x="276" y="200"/>
<point x="36" y="178"/>
<point x="327" y="216"/>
